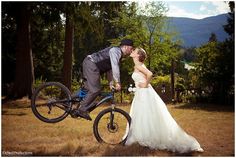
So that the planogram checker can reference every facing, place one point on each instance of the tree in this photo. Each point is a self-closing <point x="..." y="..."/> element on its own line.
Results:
<point x="147" y="27"/>
<point x="215" y="71"/>
<point x="93" y="29"/>
<point x="213" y="38"/>
<point x="229" y="28"/>
<point x="69" y="36"/>
<point x="106" y="12"/>
<point x="8" y="47"/>
<point x="24" y="62"/>
<point x="48" y="39"/>
<point x="46" y="30"/>
<point x="215" y="65"/>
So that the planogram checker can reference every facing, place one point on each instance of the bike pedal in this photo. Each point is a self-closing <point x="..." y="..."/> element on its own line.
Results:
<point x="73" y="115"/>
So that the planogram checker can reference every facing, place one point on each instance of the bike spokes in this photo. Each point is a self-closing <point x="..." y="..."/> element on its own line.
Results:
<point x="110" y="127"/>
<point x="51" y="102"/>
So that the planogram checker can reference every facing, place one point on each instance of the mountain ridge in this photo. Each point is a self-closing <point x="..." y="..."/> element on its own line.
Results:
<point x="195" y="32"/>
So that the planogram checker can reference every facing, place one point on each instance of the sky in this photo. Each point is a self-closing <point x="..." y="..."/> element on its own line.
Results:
<point x="195" y="9"/>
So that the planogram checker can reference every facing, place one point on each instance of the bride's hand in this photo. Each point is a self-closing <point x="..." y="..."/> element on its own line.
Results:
<point x="143" y="85"/>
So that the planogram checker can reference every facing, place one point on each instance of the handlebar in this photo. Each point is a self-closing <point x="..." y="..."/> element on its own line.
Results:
<point x="113" y="90"/>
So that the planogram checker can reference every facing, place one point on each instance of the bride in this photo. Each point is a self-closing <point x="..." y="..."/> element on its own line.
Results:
<point x="152" y="125"/>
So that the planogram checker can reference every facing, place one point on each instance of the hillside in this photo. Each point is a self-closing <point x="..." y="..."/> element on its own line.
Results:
<point x="195" y="32"/>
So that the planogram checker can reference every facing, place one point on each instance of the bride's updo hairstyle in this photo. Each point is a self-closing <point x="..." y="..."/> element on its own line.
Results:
<point x="142" y="54"/>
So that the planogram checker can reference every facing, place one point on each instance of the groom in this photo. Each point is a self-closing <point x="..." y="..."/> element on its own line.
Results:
<point x="103" y="61"/>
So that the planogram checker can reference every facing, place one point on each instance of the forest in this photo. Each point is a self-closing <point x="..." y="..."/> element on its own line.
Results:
<point x="47" y="41"/>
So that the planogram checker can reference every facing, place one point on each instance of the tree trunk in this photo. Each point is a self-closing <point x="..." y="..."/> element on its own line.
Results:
<point x="67" y="66"/>
<point x="24" y="61"/>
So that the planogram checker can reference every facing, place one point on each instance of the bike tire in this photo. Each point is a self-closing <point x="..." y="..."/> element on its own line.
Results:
<point x="114" y="139"/>
<point x="40" y="96"/>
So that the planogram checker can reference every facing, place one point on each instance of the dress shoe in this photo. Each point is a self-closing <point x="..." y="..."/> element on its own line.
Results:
<point x="80" y="113"/>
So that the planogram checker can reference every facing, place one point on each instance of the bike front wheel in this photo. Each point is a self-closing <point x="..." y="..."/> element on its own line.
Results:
<point x="111" y="126"/>
<point x="51" y="102"/>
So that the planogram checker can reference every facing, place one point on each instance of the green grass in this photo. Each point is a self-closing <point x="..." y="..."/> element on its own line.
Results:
<point x="212" y="126"/>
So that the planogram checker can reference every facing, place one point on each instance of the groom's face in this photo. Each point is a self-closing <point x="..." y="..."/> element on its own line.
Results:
<point x="128" y="50"/>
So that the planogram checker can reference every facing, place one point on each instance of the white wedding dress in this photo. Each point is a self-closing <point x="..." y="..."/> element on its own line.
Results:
<point x="153" y="126"/>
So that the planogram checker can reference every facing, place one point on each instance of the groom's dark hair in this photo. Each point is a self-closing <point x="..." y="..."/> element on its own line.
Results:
<point x="142" y="54"/>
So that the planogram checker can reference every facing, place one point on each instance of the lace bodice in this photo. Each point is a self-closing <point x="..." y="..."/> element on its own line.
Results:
<point x="138" y="77"/>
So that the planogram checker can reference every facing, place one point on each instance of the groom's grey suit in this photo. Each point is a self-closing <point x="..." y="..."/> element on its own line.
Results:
<point x="104" y="61"/>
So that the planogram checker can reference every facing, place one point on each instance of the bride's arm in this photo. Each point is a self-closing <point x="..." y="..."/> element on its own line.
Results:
<point x="147" y="73"/>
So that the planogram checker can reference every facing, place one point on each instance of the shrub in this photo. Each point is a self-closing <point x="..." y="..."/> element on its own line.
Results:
<point x="38" y="82"/>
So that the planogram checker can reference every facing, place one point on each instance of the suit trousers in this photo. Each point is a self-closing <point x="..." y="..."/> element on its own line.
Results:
<point x="92" y="83"/>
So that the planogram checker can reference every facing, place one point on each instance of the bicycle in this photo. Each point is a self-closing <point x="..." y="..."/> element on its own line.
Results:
<point x="52" y="102"/>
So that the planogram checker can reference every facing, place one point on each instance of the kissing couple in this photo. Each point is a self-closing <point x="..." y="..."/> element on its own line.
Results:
<point x="152" y="125"/>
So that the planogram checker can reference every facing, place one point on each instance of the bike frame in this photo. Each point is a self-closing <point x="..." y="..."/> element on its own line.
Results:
<point x="109" y="96"/>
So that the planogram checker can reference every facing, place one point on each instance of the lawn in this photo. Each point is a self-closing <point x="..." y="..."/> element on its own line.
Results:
<point x="23" y="134"/>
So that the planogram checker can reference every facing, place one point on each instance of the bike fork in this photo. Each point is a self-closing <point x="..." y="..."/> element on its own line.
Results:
<point x="112" y="126"/>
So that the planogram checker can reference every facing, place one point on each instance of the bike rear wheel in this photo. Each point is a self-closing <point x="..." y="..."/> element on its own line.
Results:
<point x="51" y="102"/>
<point x="111" y="126"/>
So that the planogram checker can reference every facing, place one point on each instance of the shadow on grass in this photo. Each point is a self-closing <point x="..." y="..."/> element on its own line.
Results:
<point x="137" y="150"/>
<point x="10" y="114"/>
<point x="16" y="104"/>
<point x="207" y="107"/>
